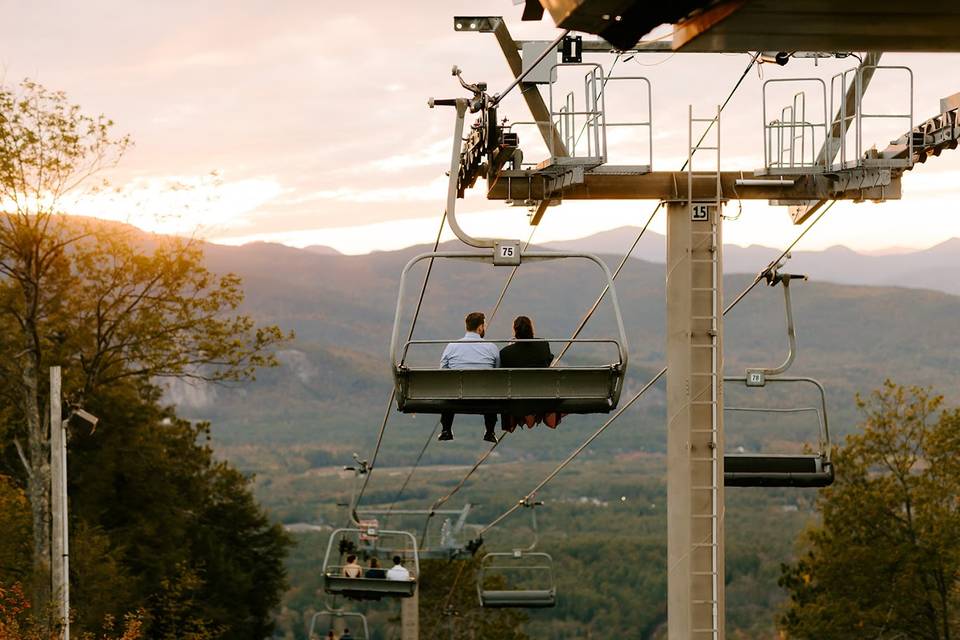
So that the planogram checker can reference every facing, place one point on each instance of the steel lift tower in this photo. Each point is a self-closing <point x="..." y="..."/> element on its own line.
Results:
<point x="814" y="153"/>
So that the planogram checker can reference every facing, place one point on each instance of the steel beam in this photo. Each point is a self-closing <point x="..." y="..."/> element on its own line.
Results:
<point x="672" y="185"/>
<point x="531" y="94"/>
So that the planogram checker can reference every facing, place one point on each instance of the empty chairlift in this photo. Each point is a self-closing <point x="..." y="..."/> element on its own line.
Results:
<point x="517" y="579"/>
<point x="814" y="469"/>
<point x="560" y="388"/>
<point x="359" y="542"/>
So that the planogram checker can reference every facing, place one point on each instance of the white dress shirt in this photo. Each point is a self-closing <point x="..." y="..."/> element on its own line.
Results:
<point x="398" y="572"/>
<point x="473" y="352"/>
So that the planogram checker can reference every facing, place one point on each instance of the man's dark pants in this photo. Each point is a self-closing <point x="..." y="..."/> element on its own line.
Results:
<point x="446" y="421"/>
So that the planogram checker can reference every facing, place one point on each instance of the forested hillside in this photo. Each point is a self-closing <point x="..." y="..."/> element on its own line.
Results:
<point x="329" y="393"/>
<point x="604" y="518"/>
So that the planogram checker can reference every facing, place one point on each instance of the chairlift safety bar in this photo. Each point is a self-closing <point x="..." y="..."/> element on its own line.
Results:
<point x="526" y="256"/>
<point x="825" y="443"/>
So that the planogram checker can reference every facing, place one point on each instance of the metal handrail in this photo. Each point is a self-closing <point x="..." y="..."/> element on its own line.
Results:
<point x="381" y="532"/>
<point x="768" y="125"/>
<point x="648" y="123"/>
<point x="861" y="115"/>
<point x="594" y="121"/>
<point x="488" y="257"/>
<point x="857" y="116"/>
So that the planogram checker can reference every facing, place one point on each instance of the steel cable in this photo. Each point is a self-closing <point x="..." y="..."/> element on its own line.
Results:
<point x="620" y="266"/>
<point x="760" y="276"/>
<point x="493" y="313"/>
<point x="393" y="390"/>
<point x="623" y="261"/>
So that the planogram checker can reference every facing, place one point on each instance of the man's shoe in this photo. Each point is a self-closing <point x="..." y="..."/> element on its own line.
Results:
<point x="446" y="434"/>
<point x="490" y="436"/>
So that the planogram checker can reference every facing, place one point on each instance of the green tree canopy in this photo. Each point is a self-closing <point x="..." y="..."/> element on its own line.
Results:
<point x="885" y="562"/>
<point x="449" y="608"/>
<point x="158" y="522"/>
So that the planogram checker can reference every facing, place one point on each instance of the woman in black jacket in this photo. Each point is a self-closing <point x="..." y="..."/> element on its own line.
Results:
<point x="526" y="355"/>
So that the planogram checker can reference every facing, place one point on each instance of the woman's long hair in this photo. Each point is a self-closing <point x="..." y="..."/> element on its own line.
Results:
<point x="523" y="328"/>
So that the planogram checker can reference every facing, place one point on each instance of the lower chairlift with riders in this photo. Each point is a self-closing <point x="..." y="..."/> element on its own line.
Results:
<point x="366" y="544"/>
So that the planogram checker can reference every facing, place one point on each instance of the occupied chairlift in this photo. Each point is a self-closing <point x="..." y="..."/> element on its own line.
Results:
<point x="356" y="622"/>
<point x="529" y="578"/>
<point x="560" y="388"/>
<point x="781" y="470"/>
<point x="367" y="546"/>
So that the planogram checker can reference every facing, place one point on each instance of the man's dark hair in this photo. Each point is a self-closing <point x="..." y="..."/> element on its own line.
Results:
<point x="396" y="560"/>
<point x="351" y="558"/>
<point x="523" y="328"/>
<point x="474" y="320"/>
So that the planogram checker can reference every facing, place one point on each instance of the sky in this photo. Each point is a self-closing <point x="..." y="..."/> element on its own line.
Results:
<point x="306" y="123"/>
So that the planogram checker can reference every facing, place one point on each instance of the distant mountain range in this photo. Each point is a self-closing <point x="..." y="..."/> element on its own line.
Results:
<point x="924" y="269"/>
<point x="333" y="382"/>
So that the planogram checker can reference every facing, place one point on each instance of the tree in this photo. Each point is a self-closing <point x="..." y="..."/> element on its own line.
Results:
<point x="92" y="298"/>
<point x="885" y="562"/>
<point x="449" y="606"/>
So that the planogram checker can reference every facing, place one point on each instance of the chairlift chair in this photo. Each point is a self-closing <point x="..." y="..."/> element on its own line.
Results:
<point x="782" y="470"/>
<point x="561" y="388"/>
<point x="357" y="622"/>
<point x="364" y="588"/>
<point x="524" y="562"/>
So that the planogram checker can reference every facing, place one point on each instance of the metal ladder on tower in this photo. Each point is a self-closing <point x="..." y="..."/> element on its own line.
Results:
<point x="705" y="250"/>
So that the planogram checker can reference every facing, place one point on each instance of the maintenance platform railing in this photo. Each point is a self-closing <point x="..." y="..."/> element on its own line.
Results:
<point x="821" y="130"/>
<point x="584" y="125"/>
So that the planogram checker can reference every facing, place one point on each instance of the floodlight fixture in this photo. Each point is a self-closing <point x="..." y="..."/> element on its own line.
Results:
<point x="483" y="24"/>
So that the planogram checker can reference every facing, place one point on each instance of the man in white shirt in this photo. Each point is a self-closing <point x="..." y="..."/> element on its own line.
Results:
<point x="398" y="571"/>
<point x="472" y="352"/>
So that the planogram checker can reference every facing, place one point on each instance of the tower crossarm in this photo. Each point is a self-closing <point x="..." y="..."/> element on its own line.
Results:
<point x="609" y="184"/>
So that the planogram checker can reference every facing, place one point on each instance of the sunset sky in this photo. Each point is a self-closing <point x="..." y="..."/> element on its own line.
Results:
<point x="306" y="122"/>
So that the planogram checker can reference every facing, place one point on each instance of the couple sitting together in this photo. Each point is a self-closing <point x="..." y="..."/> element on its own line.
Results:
<point x="473" y="352"/>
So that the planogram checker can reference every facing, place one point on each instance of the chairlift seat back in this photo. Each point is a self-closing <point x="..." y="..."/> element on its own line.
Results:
<point x="512" y="391"/>
<point x="368" y="588"/>
<point x="529" y="599"/>
<point x="746" y="470"/>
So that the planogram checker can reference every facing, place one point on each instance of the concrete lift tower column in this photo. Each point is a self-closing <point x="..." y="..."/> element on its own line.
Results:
<point x="694" y="219"/>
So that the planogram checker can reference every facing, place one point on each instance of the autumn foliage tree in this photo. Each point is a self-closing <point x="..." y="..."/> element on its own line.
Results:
<point x="885" y="562"/>
<point x="113" y="307"/>
<point x="449" y="606"/>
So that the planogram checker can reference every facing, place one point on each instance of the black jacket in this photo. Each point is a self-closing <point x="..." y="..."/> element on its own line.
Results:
<point x="525" y="355"/>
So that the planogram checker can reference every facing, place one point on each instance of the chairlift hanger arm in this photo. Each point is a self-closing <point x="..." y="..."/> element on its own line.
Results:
<point x="774" y="277"/>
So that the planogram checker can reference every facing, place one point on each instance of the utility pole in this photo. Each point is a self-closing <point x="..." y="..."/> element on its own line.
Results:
<point x="60" y="541"/>
<point x="410" y="616"/>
